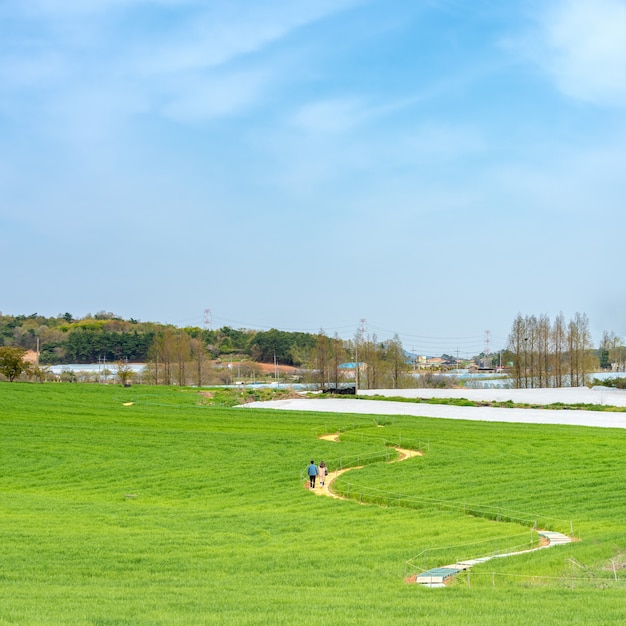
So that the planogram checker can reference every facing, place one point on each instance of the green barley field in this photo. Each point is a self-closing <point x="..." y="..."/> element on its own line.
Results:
<point x="172" y="511"/>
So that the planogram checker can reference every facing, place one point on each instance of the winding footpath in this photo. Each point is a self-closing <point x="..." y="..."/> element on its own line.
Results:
<point x="438" y="576"/>
<point x="332" y="476"/>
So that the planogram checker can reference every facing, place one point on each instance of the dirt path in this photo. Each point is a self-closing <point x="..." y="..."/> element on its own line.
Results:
<point x="332" y="476"/>
<point x="439" y="576"/>
<point x="406" y="454"/>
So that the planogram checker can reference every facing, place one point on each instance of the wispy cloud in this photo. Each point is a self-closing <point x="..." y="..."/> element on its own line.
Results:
<point x="197" y="57"/>
<point x="331" y="115"/>
<point x="582" y="45"/>
<point x="197" y="98"/>
<point x="224" y="31"/>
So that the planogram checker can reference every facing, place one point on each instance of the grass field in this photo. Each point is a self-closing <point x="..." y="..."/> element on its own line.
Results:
<point x="169" y="511"/>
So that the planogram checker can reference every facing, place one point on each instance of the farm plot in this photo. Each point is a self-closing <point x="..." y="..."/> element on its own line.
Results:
<point x="145" y="506"/>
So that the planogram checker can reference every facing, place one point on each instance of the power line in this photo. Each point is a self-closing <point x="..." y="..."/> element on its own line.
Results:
<point x="421" y="344"/>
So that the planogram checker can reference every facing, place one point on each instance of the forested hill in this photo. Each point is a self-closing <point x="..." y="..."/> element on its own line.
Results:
<point x="104" y="336"/>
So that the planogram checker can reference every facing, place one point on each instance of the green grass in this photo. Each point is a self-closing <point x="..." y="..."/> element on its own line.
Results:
<point x="170" y="511"/>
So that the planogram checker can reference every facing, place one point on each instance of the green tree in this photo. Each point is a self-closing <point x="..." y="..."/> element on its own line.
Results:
<point x="40" y="372"/>
<point x="199" y="357"/>
<point x="124" y="373"/>
<point x="322" y="359"/>
<point x="12" y="362"/>
<point x="612" y="352"/>
<point x="396" y="360"/>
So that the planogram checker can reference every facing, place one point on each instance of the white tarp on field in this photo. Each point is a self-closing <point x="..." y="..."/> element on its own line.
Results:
<point x="602" y="419"/>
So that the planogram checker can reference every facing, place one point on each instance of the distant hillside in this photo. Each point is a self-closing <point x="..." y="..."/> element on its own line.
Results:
<point x="105" y="336"/>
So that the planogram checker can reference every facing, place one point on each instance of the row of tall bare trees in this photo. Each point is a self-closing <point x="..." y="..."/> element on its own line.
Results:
<point x="376" y="364"/>
<point x="551" y="354"/>
<point x="177" y="358"/>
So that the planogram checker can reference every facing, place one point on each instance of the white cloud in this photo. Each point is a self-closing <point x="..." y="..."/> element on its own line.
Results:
<point x="19" y="72"/>
<point x="323" y="148"/>
<point x="443" y="142"/>
<point x="199" y="98"/>
<point x="78" y="69"/>
<point x="66" y="8"/>
<point x="330" y="116"/>
<point x="226" y="30"/>
<point x="582" y="45"/>
<point x="573" y="185"/>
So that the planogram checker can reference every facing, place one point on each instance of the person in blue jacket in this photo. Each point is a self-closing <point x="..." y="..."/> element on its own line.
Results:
<point x="312" y="472"/>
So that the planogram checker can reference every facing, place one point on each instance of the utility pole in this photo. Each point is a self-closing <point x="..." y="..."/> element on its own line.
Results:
<point x="276" y="373"/>
<point x="356" y="365"/>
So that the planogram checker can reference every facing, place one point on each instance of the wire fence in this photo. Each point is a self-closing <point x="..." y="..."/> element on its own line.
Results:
<point x="397" y="442"/>
<point x="359" y="460"/>
<point x="353" y="491"/>
<point x="486" y="549"/>
<point x="495" y="579"/>
<point x="483" y="550"/>
<point x="354" y="434"/>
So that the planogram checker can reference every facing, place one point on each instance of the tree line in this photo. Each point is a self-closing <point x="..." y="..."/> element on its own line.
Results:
<point x="193" y="355"/>
<point x="104" y="337"/>
<point x="373" y="364"/>
<point x="540" y="352"/>
<point x="559" y="352"/>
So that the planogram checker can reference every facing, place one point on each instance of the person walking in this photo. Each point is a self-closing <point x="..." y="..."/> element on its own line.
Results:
<point x="312" y="471"/>
<point x="322" y="473"/>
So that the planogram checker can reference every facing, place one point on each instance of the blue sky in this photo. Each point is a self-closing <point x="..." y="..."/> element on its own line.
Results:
<point x="434" y="167"/>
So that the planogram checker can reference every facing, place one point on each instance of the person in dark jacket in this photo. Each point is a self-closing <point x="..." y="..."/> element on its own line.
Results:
<point x="312" y="472"/>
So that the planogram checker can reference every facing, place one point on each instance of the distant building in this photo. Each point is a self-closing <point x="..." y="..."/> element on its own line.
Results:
<point x="435" y="362"/>
<point x="348" y="370"/>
